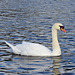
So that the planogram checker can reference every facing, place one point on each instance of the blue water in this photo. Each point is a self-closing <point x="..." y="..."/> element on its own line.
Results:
<point x="31" y="20"/>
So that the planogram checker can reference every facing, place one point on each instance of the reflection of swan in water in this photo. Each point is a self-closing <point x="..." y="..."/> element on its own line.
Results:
<point x="33" y="49"/>
<point x="56" y="62"/>
<point x="38" y="65"/>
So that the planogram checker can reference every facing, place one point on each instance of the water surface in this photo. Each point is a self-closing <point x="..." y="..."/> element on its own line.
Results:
<point x="31" y="20"/>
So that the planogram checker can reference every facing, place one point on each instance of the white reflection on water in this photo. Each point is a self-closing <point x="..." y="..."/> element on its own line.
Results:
<point x="31" y="65"/>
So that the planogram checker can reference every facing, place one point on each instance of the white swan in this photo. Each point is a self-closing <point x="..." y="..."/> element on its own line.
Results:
<point x="33" y="49"/>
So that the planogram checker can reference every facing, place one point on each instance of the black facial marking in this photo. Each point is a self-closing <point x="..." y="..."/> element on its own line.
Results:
<point x="61" y="27"/>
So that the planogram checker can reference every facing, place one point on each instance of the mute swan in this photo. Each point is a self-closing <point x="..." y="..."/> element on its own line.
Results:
<point x="34" y="49"/>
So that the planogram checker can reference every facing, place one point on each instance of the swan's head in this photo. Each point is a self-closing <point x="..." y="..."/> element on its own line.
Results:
<point x="59" y="26"/>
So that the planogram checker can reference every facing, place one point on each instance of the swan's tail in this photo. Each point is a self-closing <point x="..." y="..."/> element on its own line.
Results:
<point x="9" y="44"/>
<point x="14" y="48"/>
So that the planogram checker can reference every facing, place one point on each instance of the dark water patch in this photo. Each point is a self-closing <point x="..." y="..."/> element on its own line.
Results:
<point x="5" y="53"/>
<point x="68" y="74"/>
<point x="69" y="68"/>
<point x="44" y="72"/>
<point x="26" y="68"/>
<point x="48" y="17"/>
<point x="2" y="73"/>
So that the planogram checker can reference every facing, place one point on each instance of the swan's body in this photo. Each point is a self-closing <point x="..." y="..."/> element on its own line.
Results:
<point x="33" y="49"/>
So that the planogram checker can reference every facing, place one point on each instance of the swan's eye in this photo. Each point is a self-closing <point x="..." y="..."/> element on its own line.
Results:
<point x="61" y="27"/>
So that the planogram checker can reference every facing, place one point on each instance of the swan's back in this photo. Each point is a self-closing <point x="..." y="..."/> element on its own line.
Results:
<point x="33" y="49"/>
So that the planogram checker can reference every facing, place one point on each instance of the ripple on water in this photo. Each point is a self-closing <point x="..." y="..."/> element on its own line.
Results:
<point x="69" y="68"/>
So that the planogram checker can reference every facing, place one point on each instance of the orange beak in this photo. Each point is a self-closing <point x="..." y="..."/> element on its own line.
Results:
<point x="63" y="30"/>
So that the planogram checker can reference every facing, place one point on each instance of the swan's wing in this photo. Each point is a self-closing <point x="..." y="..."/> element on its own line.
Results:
<point x="33" y="49"/>
<point x="30" y="49"/>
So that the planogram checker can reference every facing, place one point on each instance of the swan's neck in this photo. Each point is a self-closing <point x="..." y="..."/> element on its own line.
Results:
<point x="55" y="44"/>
